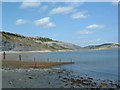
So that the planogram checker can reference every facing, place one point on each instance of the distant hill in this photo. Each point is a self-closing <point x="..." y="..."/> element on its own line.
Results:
<point x="103" y="46"/>
<point x="17" y="42"/>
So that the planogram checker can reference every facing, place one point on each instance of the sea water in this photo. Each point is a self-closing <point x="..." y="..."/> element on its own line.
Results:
<point x="99" y="64"/>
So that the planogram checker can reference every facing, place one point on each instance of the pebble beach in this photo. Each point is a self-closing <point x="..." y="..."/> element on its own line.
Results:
<point x="50" y="78"/>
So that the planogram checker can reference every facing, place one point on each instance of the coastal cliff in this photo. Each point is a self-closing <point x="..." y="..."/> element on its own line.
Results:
<point x="17" y="42"/>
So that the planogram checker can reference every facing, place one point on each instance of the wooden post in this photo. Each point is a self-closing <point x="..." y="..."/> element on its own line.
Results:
<point x="59" y="67"/>
<point x="19" y="57"/>
<point x="60" y="63"/>
<point x="47" y="59"/>
<point x="4" y="55"/>
<point x="19" y="62"/>
<point x="35" y="62"/>
<point x="34" y="59"/>
<point x="60" y="60"/>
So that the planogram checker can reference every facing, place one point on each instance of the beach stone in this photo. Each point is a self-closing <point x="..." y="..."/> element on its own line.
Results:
<point x="64" y="81"/>
<point x="90" y="78"/>
<point x="48" y="82"/>
<point x="66" y="78"/>
<point x="30" y="77"/>
<point x="104" y="84"/>
<point x="81" y="77"/>
<point x="78" y="81"/>
<point x="66" y="84"/>
<point x="72" y="87"/>
<point x="86" y="83"/>
<point x="59" y="72"/>
<point x="95" y="83"/>
<point x="59" y="76"/>
<point x="90" y="81"/>
<point x="72" y="83"/>
<point x="78" y="85"/>
<point x="9" y="82"/>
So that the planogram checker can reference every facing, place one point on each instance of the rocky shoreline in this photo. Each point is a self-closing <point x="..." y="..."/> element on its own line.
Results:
<point x="51" y="78"/>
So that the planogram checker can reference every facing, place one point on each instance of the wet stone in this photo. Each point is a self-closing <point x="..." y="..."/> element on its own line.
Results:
<point x="9" y="82"/>
<point x="90" y="78"/>
<point x="48" y="82"/>
<point x="64" y="81"/>
<point x="30" y="77"/>
<point x="66" y="84"/>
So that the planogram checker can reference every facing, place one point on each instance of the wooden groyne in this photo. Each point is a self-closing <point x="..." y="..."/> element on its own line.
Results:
<point x="31" y="64"/>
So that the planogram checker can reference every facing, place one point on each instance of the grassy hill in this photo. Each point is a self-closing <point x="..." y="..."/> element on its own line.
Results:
<point x="103" y="46"/>
<point x="17" y="42"/>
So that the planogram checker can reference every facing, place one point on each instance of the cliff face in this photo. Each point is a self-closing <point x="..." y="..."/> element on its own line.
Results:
<point x="16" y="42"/>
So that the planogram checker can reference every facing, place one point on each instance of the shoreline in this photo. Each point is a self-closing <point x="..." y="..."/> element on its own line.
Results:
<point x="51" y="78"/>
<point x="52" y="51"/>
<point x="35" y="51"/>
<point x="43" y="51"/>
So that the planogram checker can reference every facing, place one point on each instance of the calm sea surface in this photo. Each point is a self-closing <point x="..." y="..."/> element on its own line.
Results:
<point x="100" y="64"/>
